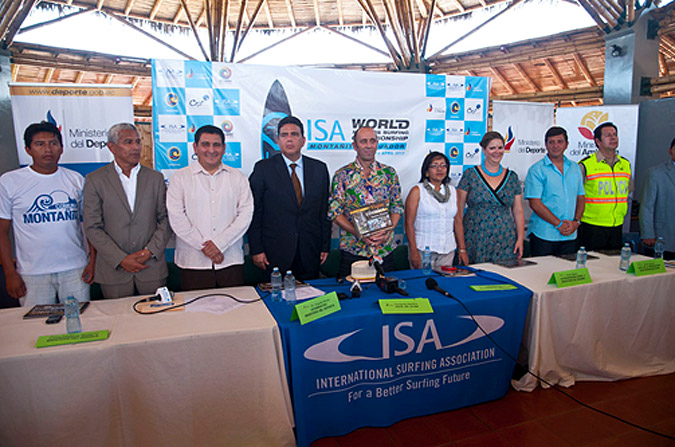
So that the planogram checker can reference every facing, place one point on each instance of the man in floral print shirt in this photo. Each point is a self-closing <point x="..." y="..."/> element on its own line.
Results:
<point x="362" y="182"/>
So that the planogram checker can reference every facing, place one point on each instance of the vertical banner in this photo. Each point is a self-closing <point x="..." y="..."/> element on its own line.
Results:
<point x="83" y="113"/>
<point x="412" y="114"/>
<point x="580" y="123"/>
<point x="523" y="125"/>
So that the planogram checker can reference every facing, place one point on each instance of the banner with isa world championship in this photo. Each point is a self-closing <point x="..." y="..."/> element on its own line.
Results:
<point x="411" y="113"/>
<point x="82" y="112"/>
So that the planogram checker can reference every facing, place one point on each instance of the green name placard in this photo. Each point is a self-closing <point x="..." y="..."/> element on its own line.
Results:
<point x="493" y="287"/>
<point x="67" y="339"/>
<point x="648" y="267"/>
<point x="570" y="278"/>
<point x="406" y="306"/>
<point x="316" y="308"/>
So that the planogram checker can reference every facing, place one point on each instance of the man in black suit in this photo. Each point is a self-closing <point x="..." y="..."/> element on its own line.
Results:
<point x="290" y="227"/>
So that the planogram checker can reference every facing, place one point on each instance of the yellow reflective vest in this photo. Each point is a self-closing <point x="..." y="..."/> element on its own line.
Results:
<point x="607" y="191"/>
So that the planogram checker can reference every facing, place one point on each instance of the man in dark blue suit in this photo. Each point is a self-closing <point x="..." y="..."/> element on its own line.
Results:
<point x="290" y="227"/>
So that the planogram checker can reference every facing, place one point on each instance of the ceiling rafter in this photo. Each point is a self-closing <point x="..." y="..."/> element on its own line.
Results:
<point x="498" y="74"/>
<point x="291" y="16"/>
<point x="558" y="79"/>
<point x="521" y="71"/>
<point x="584" y="69"/>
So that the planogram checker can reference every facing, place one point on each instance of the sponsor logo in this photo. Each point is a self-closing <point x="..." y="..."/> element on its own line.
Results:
<point x="56" y="206"/>
<point x="225" y="73"/>
<point x="172" y="128"/>
<point x="227" y="126"/>
<point x="190" y="74"/>
<point x="51" y="119"/>
<point x="192" y="128"/>
<point x="473" y="110"/>
<point x="510" y="139"/>
<point x="455" y="107"/>
<point x="173" y="153"/>
<point x="171" y="99"/>
<point x="472" y="154"/>
<point x="453" y="152"/>
<point x="590" y="121"/>
<point x="414" y="340"/>
<point x="198" y="102"/>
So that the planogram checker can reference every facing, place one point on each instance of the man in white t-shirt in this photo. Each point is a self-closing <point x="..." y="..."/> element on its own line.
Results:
<point x="43" y="205"/>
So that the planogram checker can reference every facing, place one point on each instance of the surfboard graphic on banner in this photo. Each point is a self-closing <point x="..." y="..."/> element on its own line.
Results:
<point x="412" y="114"/>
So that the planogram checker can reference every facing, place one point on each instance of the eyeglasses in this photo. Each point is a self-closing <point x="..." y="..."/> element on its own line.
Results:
<point x="436" y="166"/>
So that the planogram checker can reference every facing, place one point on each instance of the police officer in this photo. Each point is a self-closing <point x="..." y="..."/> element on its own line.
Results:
<point x="607" y="182"/>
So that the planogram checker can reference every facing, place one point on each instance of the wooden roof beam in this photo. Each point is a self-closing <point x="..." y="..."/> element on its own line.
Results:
<point x="426" y="26"/>
<point x="155" y="9"/>
<point x="240" y="23"/>
<point x="663" y="66"/>
<point x="147" y="99"/>
<point x="79" y="76"/>
<point x="530" y="82"/>
<point x="367" y="7"/>
<point x="459" y="6"/>
<point x="237" y="47"/>
<point x="275" y="44"/>
<point x="184" y="7"/>
<point x="317" y="14"/>
<point x="15" y="71"/>
<point x="495" y="71"/>
<point x="108" y="78"/>
<point x="11" y="27"/>
<point x="341" y="19"/>
<point x="48" y="75"/>
<point x="354" y="39"/>
<point x="584" y="70"/>
<point x="134" y="82"/>
<point x="595" y="16"/>
<point x="291" y="16"/>
<point x="51" y="22"/>
<point x="268" y="15"/>
<point x="558" y="79"/>
<point x="422" y="8"/>
<point x="145" y="33"/>
<point x="99" y="4"/>
<point x="127" y="10"/>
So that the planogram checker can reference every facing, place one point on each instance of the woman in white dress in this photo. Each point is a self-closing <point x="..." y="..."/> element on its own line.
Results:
<point x="430" y="214"/>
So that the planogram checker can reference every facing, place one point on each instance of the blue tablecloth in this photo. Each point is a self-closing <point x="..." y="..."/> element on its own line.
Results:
<point x="358" y="367"/>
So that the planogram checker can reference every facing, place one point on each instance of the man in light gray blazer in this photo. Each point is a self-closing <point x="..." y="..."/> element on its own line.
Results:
<point x="125" y="219"/>
<point x="657" y="209"/>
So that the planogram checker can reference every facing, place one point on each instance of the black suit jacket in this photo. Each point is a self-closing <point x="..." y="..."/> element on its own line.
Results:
<point x="279" y="227"/>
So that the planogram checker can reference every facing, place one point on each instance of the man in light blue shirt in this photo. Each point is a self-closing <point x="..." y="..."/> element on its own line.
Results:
<point x="554" y="187"/>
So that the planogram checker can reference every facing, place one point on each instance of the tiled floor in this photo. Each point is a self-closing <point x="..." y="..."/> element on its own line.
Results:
<point x="543" y="418"/>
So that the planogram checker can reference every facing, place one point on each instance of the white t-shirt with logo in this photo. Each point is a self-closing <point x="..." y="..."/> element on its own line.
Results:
<point x="45" y="211"/>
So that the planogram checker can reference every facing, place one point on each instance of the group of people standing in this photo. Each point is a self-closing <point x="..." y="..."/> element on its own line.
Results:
<point x="113" y="227"/>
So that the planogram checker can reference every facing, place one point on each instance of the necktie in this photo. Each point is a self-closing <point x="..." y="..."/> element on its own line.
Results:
<point x="296" y="184"/>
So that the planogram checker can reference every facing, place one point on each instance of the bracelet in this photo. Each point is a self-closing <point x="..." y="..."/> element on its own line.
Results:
<point x="559" y="225"/>
<point x="461" y="250"/>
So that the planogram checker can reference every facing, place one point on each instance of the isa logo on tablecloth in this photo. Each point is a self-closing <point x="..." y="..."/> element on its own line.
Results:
<point x="434" y="131"/>
<point x="435" y="85"/>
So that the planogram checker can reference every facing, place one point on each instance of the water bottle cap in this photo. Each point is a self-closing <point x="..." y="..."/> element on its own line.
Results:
<point x="288" y="272"/>
<point x="275" y="269"/>
<point x="582" y="248"/>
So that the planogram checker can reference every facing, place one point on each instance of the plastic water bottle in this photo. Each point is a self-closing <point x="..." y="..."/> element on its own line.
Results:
<point x="581" y="258"/>
<point x="426" y="261"/>
<point x="275" y="279"/>
<point x="289" y="288"/>
<point x="659" y="247"/>
<point x="625" y="257"/>
<point x="71" y="310"/>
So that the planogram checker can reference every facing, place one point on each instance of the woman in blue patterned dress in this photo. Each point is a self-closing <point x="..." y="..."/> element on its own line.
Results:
<point x="491" y="228"/>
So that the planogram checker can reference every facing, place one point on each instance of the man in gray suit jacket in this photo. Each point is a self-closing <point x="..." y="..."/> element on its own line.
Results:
<point x="657" y="209"/>
<point x="125" y="219"/>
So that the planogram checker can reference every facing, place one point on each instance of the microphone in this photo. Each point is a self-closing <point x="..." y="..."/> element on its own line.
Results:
<point x="432" y="284"/>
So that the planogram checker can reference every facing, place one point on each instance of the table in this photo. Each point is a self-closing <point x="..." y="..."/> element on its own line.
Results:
<point x="358" y="367"/>
<point x="617" y="327"/>
<point x="172" y="379"/>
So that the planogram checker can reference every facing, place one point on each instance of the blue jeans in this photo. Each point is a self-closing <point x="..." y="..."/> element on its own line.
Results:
<point x="45" y="289"/>
<point x="542" y="247"/>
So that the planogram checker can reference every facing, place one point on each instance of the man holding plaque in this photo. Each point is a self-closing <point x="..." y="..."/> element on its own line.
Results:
<point x="366" y="204"/>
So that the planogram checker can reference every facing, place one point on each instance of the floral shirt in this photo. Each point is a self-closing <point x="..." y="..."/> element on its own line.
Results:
<point x="350" y="190"/>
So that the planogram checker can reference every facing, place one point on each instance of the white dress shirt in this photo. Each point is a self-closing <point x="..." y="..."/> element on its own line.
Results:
<point x="129" y="183"/>
<point x="205" y="207"/>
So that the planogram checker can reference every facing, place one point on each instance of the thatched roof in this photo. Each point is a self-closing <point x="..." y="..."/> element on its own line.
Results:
<point x="567" y="68"/>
